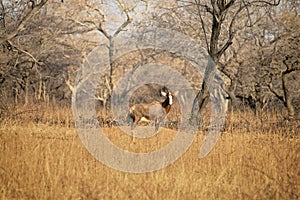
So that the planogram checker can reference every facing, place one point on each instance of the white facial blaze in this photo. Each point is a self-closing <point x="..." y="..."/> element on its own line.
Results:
<point x="170" y="99"/>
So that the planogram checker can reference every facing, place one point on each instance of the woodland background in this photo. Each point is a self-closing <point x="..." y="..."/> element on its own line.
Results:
<point x="255" y="45"/>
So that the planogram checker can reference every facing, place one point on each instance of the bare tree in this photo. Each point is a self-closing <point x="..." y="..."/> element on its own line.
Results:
<point x="17" y="62"/>
<point x="222" y="11"/>
<point x="35" y="51"/>
<point x="267" y="57"/>
<point x="17" y="16"/>
<point x="110" y="19"/>
<point x="286" y="55"/>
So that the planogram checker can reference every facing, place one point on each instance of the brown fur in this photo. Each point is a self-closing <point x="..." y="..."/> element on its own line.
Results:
<point x="155" y="111"/>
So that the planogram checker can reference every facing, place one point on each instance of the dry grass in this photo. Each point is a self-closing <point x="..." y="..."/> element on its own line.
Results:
<point x="48" y="161"/>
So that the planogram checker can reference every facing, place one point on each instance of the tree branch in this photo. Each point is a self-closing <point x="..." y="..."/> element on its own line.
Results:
<point x="271" y="88"/>
<point x="23" y="23"/>
<point x="231" y="32"/>
<point x="23" y="51"/>
<point x="128" y="18"/>
<point x="276" y="3"/>
<point x="203" y="26"/>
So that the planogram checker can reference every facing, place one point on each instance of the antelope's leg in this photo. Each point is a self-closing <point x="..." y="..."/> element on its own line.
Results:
<point x="156" y="123"/>
<point x="134" y="123"/>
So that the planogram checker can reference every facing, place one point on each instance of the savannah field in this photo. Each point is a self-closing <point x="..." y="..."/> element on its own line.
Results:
<point x="42" y="157"/>
<point x="96" y="55"/>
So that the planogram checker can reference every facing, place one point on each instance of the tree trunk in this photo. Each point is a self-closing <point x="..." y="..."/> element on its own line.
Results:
<point x="210" y="71"/>
<point x="26" y="90"/>
<point x="287" y="95"/>
<point x="110" y="78"/>
<point x="39" y="91"/>
<point x="15" y="93"/>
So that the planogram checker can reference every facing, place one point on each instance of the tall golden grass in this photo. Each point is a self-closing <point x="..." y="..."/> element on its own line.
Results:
<point x="42" y="157"/>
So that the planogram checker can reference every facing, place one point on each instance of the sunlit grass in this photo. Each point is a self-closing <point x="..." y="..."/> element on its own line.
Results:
<point x="41" y="160"/>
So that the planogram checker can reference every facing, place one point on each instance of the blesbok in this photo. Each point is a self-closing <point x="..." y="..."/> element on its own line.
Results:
<point x="155" y="111"/>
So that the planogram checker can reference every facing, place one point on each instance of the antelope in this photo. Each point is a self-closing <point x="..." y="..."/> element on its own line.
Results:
<point x="155" y="111"/>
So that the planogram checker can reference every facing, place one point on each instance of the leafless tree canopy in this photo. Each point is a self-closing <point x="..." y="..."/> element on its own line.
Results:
<point x="253" y="43"/>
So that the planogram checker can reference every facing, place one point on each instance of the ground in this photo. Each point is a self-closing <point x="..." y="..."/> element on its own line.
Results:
<point x="39" y="161"/>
